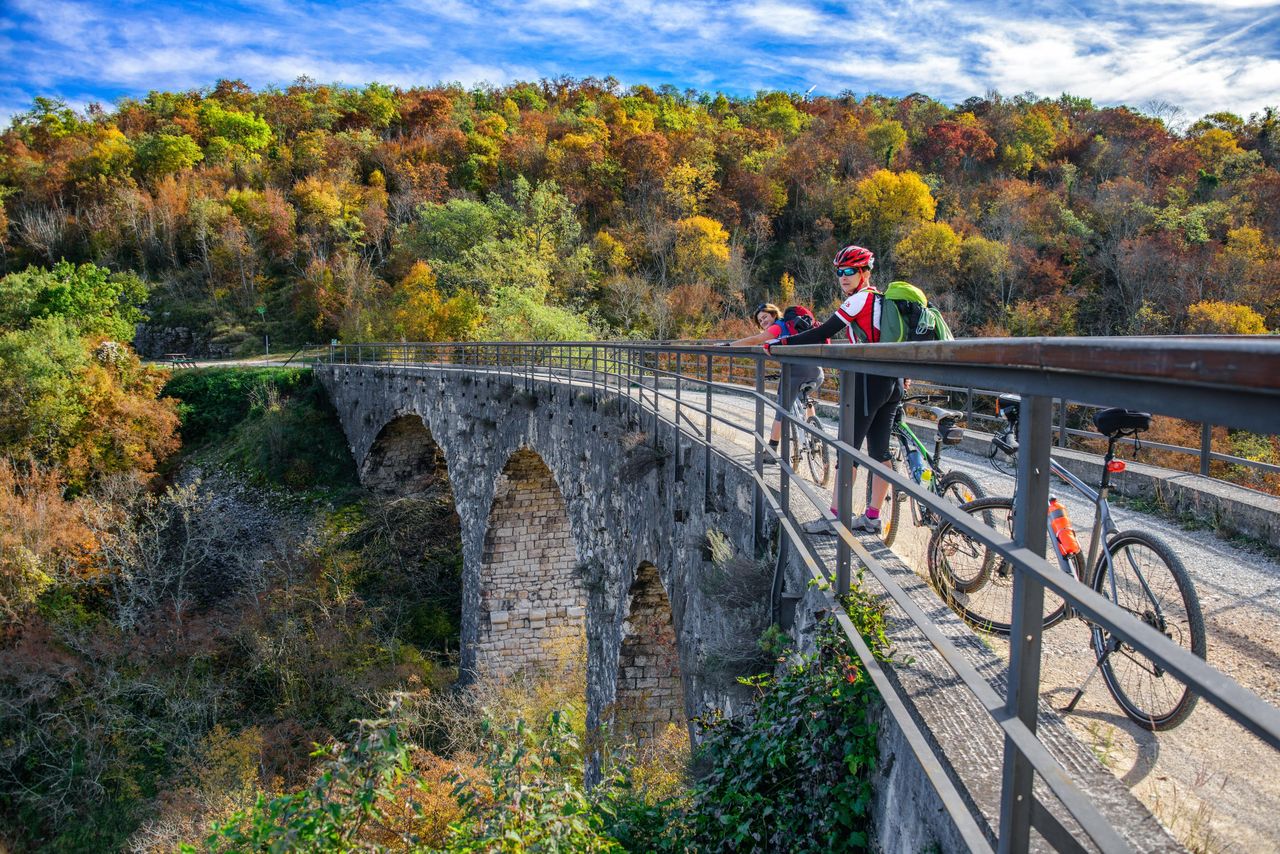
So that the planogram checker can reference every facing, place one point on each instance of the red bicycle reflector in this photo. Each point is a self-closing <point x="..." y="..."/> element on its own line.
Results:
<point x="1115" y="466"/>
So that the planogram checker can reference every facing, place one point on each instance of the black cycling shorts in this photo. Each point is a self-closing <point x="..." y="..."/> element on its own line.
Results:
<point x="875" y="403"/>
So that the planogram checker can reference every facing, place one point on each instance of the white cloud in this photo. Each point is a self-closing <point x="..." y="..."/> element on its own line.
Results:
<point x="785" y="19"/>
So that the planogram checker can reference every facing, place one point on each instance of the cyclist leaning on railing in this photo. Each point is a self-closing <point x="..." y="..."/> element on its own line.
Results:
<point x="877" y="396"/>
<point x="772" y="328"/>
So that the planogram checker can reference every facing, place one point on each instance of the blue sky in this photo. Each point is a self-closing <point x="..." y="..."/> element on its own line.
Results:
<point x="1201" y="56"/>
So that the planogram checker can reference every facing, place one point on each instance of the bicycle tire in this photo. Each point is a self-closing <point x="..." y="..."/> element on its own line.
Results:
<point x="955" y="486"/>
<point x="1000" y="461"/>
<point x="1152" y="698"/>
<point x="817" y="453"/>
<point x="975" y="581"/>
<point x="891" y="510"/>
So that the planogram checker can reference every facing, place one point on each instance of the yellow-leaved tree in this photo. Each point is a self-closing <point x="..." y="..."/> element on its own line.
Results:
<point x="702" y="251"/>
<point x="1224" y="318"/>
<point x="929" y="256"/>
<point x="884" y="207"/>
<point x="422" y="313"/>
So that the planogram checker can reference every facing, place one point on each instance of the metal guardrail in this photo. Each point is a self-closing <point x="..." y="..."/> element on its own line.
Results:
<point x="1228" y="381"/>
<point x="1204" y="452"/>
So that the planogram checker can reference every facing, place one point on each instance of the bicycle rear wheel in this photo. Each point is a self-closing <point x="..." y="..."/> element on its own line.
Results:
<point x="817" y="453"/>
<point x="891" y="510"/>
<point x="976" y="581"/>
<point x="1147" y="579"/>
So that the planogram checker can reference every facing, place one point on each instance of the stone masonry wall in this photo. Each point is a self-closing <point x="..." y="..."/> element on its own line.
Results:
<point x="650" y="694"/>
<point x="533" y="606"/>
<point x="404" y="459"/>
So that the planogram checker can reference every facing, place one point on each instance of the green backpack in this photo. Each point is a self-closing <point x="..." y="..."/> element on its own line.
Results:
<point x="905" y="315"/>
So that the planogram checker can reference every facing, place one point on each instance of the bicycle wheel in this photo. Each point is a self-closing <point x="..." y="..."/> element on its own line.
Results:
<point x="955" y="486"/>
<point x="1000" y="461"/>
<point x="891" y="510"/>
<point x="1151" y="583"/>
<point x="976" y="581"/>
<point x="817" y="453"/>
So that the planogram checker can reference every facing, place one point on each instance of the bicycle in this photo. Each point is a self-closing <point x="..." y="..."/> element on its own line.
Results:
<point x="906" y="448"/>
<point x="1138" y="572"/>
<point x="805" y="445"/>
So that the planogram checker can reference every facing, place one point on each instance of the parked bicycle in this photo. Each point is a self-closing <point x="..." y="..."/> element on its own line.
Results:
<point x="907" y="450"/>
<point x="807" y="447"/>
<point x="1135" y="570"/>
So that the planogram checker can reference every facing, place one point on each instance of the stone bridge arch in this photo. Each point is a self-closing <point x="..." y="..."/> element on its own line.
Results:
<point x="639" y="499"/>
<point x="650" y="686"/>
<point x="403" y="459"/>
<point x="533" y="604"/>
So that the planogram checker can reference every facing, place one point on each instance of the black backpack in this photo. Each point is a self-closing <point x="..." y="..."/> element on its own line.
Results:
<point x="797" y="318"/>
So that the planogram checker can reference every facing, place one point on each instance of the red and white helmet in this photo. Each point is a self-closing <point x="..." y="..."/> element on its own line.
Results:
<point x="855" y="256"/>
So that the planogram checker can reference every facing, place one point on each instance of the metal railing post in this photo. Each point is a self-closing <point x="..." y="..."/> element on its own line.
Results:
<point x="1062" y="422"/>
<point x="757" y="456"/>
<point x="845" y="476"/>
<point x="784" y="454"/>
<point x="1016" y="798"/>
<point x="706" y="436"/>
<point x="1206" y="448"/>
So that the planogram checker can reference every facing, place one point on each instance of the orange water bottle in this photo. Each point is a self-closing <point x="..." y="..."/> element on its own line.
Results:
<point x="1067" y="543"/>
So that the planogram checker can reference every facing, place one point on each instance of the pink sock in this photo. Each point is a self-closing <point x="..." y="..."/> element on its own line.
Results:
<point x="873" y="513"/>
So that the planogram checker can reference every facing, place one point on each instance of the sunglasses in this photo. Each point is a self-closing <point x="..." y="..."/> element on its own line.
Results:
<point x="849" y="271"/>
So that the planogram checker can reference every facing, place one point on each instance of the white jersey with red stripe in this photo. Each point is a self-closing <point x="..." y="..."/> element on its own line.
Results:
<point x="863" y="309"/>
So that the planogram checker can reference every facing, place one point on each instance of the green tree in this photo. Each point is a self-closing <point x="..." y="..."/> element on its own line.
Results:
<point x="233" y="135"/>
<point x="521" y="312"/>
<point x="886" y="139"/>
<point x="161" y="154"/>
<point x="91" y="299"/>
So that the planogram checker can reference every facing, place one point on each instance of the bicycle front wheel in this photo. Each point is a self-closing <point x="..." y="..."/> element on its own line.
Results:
<point x="892" y="507"/>
<point x="1146" y="578"/>
<point x="975" y="581"/>
<point x="955" y="486"/>
<point x="817" y="453"/>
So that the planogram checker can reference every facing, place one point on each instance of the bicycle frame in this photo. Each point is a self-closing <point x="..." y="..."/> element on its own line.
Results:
<point x="1103" y="527"/>
<point x="934" y="458"/>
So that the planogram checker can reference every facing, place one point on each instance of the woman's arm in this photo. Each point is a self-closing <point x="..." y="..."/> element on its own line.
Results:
<point x="818" y="334"/>
<point x="759" y="338"/>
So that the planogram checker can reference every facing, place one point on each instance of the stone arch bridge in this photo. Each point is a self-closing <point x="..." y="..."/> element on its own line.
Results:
<point x="584" y="532"/>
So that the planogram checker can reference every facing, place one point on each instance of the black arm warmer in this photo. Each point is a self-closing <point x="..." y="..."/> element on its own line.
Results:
<point x="818" y="334"/>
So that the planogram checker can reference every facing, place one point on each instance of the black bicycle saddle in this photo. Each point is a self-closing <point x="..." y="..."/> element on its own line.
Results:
<point x="1116" y="422"/>
<point x="939" y="413"/>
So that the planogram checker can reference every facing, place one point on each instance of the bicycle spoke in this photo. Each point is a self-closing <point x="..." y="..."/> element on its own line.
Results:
<point x="1145" y="577"/>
